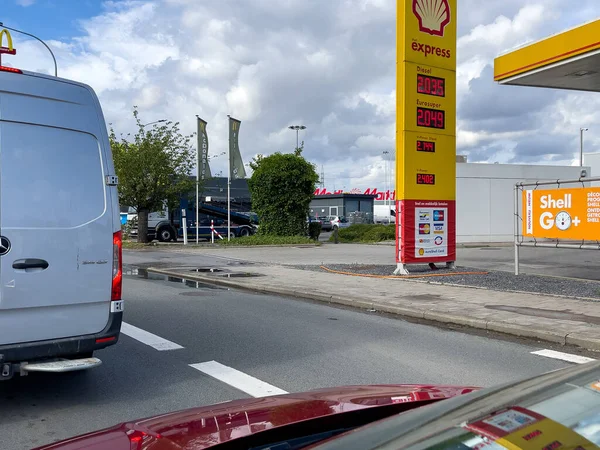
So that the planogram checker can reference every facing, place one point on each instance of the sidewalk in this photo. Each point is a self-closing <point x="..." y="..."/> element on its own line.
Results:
<point x="548" y="318"/>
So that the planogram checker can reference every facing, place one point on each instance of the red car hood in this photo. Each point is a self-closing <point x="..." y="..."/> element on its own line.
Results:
<point x="201" y="428"/>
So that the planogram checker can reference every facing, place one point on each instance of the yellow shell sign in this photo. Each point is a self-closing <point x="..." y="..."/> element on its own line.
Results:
<point x="429" y="31"/>
<point x="425" y="121"/>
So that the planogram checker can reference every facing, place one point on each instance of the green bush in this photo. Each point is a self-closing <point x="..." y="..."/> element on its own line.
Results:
<point x="364" y="232"/>
<point x="259" y="239"/>
<point x="314" y="230"/>
<point x="282" y="187"/>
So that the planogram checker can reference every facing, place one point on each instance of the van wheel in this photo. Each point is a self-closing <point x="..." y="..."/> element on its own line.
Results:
<point x="165" y="234"/>
<point x="244" y="232"/>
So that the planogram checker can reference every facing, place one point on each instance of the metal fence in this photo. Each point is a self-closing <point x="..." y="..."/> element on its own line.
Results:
<point x="360" y="217"/>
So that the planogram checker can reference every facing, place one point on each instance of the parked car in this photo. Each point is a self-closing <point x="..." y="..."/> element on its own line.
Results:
<point x="339" y="222"/>
<point x="61" y="242"/>
<point x="326" y="222"/>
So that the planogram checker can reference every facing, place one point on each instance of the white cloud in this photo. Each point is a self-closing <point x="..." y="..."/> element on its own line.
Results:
<point x="25" y="3"/>
<point x="329" y="65"/>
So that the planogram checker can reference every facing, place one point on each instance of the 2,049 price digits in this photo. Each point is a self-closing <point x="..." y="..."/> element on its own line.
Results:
<point x="431" y="118"/>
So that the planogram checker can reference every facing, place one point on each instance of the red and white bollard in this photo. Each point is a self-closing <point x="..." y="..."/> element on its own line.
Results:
<point x="213" y="232"/>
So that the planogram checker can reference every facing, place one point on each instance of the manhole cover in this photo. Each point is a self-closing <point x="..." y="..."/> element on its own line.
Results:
<point x="196" y="294"/>
<point x="206" y="269"/>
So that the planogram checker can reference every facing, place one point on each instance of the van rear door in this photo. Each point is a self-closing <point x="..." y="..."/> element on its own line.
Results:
<point x="55" y="279"/>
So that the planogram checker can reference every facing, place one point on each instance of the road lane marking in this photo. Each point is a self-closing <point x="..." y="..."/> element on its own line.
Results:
<point x="563" y="356"/>
<point x="239" y="380"/>
<point x="147" y="338"/>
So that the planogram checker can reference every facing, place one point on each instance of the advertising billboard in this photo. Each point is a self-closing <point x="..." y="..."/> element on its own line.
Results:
<point x="572" y="213"/>
<point x="426" y="131"/>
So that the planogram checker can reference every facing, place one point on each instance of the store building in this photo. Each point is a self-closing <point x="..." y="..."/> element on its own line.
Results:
<point x="358" y="208"/>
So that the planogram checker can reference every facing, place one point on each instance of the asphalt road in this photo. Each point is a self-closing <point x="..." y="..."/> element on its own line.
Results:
<point x="287" y="343"/>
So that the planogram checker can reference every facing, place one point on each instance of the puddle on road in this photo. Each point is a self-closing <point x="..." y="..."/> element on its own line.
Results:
<point x="547" y="313"/>
<point x="139" y="272"/>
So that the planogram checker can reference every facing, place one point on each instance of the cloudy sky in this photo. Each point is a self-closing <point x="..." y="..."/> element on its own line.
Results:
<point x="325" y="64"/>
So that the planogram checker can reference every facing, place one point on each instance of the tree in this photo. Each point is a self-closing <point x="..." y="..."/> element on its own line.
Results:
<point x="282" y="186"/>
<point x="153" y="168"/>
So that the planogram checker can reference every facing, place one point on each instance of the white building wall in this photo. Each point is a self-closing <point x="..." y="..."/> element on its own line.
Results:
<point x="485" y="196"/>
<point x="593" y="161"/>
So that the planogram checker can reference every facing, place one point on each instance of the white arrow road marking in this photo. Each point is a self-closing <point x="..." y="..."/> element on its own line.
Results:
<point x="147" y="338"/>
<point x="563" y="356"/>
<point x="239" y="380"/>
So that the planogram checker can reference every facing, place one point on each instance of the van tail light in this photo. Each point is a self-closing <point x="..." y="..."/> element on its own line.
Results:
<point x="9" y="69"/>
<point x="117" y="266"/>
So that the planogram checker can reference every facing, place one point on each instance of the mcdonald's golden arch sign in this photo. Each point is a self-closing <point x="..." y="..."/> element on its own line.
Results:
<point x="8" y="49"/>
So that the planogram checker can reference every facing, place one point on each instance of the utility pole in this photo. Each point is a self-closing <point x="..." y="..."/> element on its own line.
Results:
<point x="229" y="187"/>
<point x="581" y="130"/>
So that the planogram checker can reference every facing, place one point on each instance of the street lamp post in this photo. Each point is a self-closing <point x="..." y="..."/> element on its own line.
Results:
<point x="297" y="128"/>
<point x="156" y="121"/>
<point x="581" y="130"/>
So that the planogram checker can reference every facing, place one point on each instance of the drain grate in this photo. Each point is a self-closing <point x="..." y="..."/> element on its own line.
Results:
<point x="242" y="275"/>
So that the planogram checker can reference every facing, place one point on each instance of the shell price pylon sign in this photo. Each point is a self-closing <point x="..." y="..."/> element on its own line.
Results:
<point x="426" y="131"/>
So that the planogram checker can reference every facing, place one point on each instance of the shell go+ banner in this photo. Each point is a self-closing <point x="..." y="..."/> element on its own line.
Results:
<point x="562" y="213"/>
<point x="426" y="131"/>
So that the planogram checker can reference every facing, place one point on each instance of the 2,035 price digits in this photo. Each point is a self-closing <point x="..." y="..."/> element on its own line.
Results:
<point x="431" y="85"/>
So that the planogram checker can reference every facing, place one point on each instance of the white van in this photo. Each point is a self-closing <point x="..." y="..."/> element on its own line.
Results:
<point x="60" y="232"/>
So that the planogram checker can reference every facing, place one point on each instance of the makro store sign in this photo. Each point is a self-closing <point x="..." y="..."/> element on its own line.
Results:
<point x="562" y="213"/>
<point x="379" y="195"/>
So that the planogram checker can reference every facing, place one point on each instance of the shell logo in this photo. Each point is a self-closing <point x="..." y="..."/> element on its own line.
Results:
<point x="433" y="15"/>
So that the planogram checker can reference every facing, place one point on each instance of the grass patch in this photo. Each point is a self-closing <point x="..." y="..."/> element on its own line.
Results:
<point x="364" y="232"/>
<point x="132" y="245"/>
<point x="269" y="240"/>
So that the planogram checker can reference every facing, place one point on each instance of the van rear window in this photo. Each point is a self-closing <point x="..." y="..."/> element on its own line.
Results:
<point x="49" y="177"/>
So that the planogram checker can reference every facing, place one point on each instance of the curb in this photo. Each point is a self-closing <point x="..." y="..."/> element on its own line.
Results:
<point x="440" y="317"/>
<point x="218" y="246"/>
